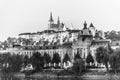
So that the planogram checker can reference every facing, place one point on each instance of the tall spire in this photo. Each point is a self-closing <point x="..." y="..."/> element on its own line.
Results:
<point x="91" y="25"/>
<point x="58" y="21"/>
<point x="51" y="19"/>
<point x="85" y="25"/>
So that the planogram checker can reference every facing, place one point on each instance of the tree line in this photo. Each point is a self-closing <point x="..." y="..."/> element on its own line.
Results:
<point x="105" y="55"/>
<point x="14" y="62"/>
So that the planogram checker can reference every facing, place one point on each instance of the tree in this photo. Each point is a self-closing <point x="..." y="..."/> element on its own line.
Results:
<point x="56" y="58"/>
<point x="37" y="61"/>
<point x="26" y="60"/>
<point x="89" y="58"/>
<point x="102" y="56"/>
<point x="115" y="61"/>
<point x="16" y="62"/>
<point x="47" y="58"/>
<point x="11" y="63"/>
<point x="66" y="58"/>
<point x="77" y="56"/>
<point x="78" y="66"/>
<point x="6" y="62"/>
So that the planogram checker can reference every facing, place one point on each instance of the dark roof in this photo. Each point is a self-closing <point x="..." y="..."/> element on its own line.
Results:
<point x="24" y="33"/>
<point x="47" y="31"/>
<point x="73" y="30"/>
<point x="100" y="41"/>
<point x="34" y="33"/>
<point x="86" y="36"/>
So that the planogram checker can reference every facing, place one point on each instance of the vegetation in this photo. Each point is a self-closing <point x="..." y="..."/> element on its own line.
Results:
<point x="37" y="61"/>
<point x="56" y="59"/>
<point x="89" y="58"/>
<point x="115" y="61"/>
<point x="102" y="56"/>
<point x="78" y="66"/>
<point x="26" y="60"/>
<point x="11" y="63"/>
<point x="66" y="58"/>
<point x="47" y="59"/>
<point x="77" y="56"/>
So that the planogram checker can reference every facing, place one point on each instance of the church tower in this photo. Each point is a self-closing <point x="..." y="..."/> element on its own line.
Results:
<point x="51" y="18"/>
<point x="51" y="21"/>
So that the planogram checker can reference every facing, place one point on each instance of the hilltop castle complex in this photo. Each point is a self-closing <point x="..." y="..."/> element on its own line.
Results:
<point x="62" y="40"/>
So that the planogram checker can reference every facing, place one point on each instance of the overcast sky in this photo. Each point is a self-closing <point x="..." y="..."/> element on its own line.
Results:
<point x="18" y="16"/>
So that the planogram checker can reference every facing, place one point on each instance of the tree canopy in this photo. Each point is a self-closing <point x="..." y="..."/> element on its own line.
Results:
<point x="47" y="58"/>
<point x="11" y="62"/>
<point x="102" y="56"/>
<point x="115" y="60"/>
<point x="66" y="58"/>
<point x="26" y="60"/>
<point x="56" y="58"/>
<point x="37" y="61"/>
<point x="89" y="58"/>
<point x="77" y="56"/>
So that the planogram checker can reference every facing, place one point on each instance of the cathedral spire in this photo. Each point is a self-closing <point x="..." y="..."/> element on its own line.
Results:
<point x="51" y="19"/>
<point x="85" y="25"/>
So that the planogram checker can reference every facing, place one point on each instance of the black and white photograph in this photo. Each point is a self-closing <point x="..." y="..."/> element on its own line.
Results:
<point x="59" y="39"/>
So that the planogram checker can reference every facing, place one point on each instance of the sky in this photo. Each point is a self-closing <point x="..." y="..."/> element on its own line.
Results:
<point x="19" y="16"/>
